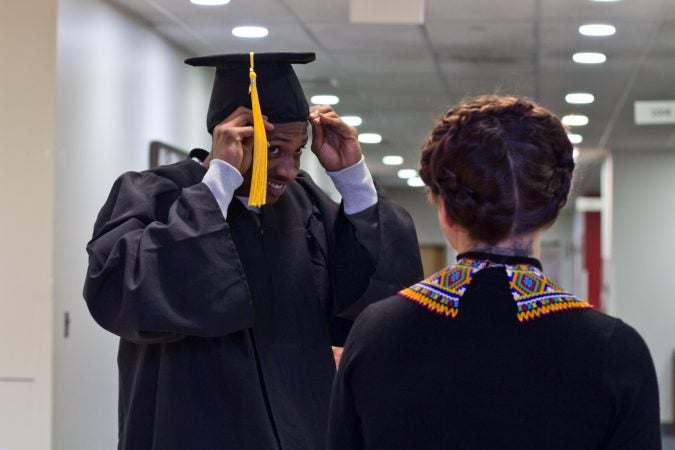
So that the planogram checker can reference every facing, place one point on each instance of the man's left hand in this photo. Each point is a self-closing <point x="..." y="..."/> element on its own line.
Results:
<point x="334" y="142"/>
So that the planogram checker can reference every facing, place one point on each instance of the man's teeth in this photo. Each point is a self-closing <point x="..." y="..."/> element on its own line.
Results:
<point x="275" y="185"/>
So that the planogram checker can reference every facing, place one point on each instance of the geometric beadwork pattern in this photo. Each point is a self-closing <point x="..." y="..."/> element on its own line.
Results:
<point x="535" y="295"/>
<point x="442" y="291"/>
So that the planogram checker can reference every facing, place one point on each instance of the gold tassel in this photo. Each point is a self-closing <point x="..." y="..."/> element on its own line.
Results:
<point x="258" y="194"/>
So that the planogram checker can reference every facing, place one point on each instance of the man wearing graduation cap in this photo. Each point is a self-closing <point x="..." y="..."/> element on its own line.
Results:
<point x="229" y="276"/>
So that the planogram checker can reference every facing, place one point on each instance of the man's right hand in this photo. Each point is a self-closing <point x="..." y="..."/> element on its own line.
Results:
<point x="233" y="139"/>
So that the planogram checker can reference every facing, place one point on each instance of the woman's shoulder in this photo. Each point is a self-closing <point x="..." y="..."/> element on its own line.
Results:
<point x="384" y="312"/>
<point x="388" y="321"/>
<point x="626" y="348"/>
<point x="592" y="324"/>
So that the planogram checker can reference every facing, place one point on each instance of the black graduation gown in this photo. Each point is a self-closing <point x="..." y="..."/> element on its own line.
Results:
<point x="226" y="327"/>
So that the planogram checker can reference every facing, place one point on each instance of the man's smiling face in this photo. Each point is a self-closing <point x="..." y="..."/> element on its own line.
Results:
<point x="286" y="142"/>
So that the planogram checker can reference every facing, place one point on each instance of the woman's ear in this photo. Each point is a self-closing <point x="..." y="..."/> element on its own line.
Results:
<point x="447" y="225"/>
<point x="453" y="232"/>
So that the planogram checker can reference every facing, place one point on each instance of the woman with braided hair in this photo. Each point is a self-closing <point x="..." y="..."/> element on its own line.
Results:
<point x="489" y="353"/>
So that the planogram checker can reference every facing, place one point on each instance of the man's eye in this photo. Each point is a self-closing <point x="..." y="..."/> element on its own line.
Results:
<point x="298" y="152"/>
<point x="274" y="151"/>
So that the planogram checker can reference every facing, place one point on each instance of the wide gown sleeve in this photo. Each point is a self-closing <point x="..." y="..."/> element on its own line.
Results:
<point x="376" y="254"/>
<point x="162" y="264"/>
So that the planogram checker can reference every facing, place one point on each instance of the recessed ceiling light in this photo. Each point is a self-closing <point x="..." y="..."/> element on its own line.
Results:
<point x="597" y="29"/>
<point x="250" y="32"/>
<point x="575" y="138"/>
<point x="575" y="120"/>
<point x="589" y="58"/>
<point x="352" y="121"/>
<point x="579" y="98"/>
<point x="392" y="160"/>
<point x="575" y="153"/>
<point x="415" y="182"/>
<point x="370" y="138"/>
<point x="210" y="2"/>
<point x="325" y="99"/>
<point x="406" y="173"/>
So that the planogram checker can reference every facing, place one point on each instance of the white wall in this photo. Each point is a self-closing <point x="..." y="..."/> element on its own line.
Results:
<point x="642" y="284"/>
<point x="560" y="265"/>
<point x="119" y="87"/>
<point x="27" y="106"/>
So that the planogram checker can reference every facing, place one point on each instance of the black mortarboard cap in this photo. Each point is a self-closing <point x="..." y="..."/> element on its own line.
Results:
<point x="281" y="97"/>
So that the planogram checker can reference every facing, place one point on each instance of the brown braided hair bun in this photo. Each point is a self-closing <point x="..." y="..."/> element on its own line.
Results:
<point x="502" y="166"/>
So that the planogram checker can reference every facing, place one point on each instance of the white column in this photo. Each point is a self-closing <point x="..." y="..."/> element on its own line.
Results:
<point x="27" y="128"/>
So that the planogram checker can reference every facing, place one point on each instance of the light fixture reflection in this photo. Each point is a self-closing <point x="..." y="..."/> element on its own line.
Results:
<point x="352" y="121"/>
<point x="210" y="2"/>
<point x="597" y="29"/>
<point x="392" y="160"/>
<point x="370" y="138"/>
<point x="415" y="182"/>
<point x="250" y="32"/>
<point x="325" y="99"/>
<point x="406" y="173"/>
<point x="589" y="58"/>
<point x="575" y="138"/>
<point x="575" y="120"/>
<point x="580" y="98"/>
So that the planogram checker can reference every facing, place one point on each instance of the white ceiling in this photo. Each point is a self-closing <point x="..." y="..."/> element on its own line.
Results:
<point x="399" y="78"/>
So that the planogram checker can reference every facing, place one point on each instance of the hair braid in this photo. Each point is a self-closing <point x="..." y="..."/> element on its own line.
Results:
<point x="501" y="165"/>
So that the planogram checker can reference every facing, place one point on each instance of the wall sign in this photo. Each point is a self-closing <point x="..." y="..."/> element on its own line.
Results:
<point x="654" y="112"/>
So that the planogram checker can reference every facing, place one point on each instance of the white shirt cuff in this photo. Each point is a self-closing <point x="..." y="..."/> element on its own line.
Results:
<point x="222" y="180"/>
<point x="355" y="184"/>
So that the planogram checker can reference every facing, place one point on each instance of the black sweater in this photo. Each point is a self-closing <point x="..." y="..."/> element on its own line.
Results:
<point x="413" y="379"/>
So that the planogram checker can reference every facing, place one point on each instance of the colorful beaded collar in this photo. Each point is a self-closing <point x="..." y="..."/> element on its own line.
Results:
<point x="534" y="293"/>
